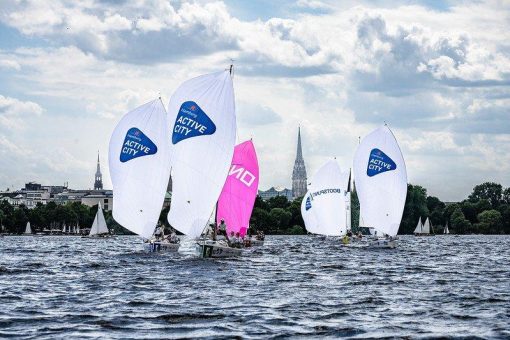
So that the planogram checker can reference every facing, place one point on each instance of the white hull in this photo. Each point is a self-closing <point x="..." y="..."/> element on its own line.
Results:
<point x="152" y="247"/>
<point x="382" y="243"/>
<point x="216" y="250"/>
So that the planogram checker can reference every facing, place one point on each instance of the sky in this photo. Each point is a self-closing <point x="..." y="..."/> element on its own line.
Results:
<point x="437" y="72"/>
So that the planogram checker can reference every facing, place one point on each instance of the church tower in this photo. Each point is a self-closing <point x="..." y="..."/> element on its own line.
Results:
<point x="299" y="172"/>
<point x="98" y="182"/>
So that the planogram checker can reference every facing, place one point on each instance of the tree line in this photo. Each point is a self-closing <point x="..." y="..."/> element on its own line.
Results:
<point x="485" y="211"/>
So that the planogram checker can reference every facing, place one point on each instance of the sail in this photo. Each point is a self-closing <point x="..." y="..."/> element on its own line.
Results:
<point x="99" y="226"/>
<point x="308" y="214"/>
<point x="203" y="124"/>
<point x="426" y="227"/>
<point x="381" y="180"/>
<point x="28" y="229"/>
<point x="327" y="195"/>
<point x="419" y="227"/>
<point x="240" y="190"/>
<point x="139" y="160"/>
<point x="446" y="231"/>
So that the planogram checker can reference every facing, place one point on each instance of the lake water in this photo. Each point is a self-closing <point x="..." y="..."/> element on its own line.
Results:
<point x="298" y="286"/>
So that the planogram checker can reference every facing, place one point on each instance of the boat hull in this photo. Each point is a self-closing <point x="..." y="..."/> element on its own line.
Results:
<point x="153" y="247"/>
<point x="424" y="234"/>
<point x="211" y="249"/>
<point x="382" y="243"/>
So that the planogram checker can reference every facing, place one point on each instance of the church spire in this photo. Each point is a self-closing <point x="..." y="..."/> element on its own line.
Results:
<point x="98" y="180"/>
<point x="299" y="186"/>
<point x="299" y="153"/>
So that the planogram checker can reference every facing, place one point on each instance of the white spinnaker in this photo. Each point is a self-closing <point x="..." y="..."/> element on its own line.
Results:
<point x="381" y="195"/>
<point x="426" y="227"/>
<point x="309" y="215"/>
<point x="200" y="163"/>
<point x="140" y="169"/>
<point x="419" y="227"/>
<point x="28" y="229"/>
<point x="99" y="226"/>
<point x="327" y="192"/>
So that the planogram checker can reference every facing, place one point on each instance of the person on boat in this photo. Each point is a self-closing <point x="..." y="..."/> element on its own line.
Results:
<point x="209" y="232"/>
<point x="360" y="235"/>
<point x="222" y="228"/>
<point x="247" y="240"/>
<point x="172" y="238"/>
<point x="158" y="233"/>
<point x="233" y="241"/>
<point x="349" y="233"/>
<point x="345" y="240"/>
<point x="260" y="235"/>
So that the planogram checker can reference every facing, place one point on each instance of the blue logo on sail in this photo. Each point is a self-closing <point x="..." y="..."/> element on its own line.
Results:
<point x="136" y="144"/>
<point x="191" y="122"/>
<point x="308" y="204"/>
<point x="379" y="162"/>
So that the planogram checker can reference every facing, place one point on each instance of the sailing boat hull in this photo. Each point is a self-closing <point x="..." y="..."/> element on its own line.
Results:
<point x="424" y="234"/>
<point x="211" y="249"/>
<point x="382" y="243"/>
<point x="153" y="247"/>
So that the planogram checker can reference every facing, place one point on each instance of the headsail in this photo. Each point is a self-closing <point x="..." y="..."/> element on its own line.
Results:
<point x="326" y="198"/>
<point x="203" y="124"/>
<point x="139" y="161"/>
<point x="419" y="227"/>
<point x="28" y="229"/>
<point x="426" y="227"/>
<point x="99" y="226"/>
<point x="381" y="180"/>
<point x="240" y="190"/>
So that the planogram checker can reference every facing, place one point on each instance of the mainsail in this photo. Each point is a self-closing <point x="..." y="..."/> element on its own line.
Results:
<point x="99" y="226"/>
<point x="326" y="201"/>
<point x="203" y="124"/>
<point x="240" y="190"/>
<point x="446" y="231"/>
<point x="426" y="227"/>
<point x="381" y="180"/>
<point x="139" y="161"/>
<point x="419" y="227"/>
<point x="28" y="229"/>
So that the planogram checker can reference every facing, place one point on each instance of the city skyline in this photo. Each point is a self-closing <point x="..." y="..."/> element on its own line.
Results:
<point x="439" y="75"/>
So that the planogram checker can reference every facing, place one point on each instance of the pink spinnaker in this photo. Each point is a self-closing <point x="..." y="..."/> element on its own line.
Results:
<point x="240" y="190"/>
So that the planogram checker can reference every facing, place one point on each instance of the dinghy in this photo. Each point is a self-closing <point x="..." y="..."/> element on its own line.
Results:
<point x="381" y="182"/>
<point x="238" y="195"/>
<point x="28" y="229"/>
<point x="139" y="159"/>
<point x="324" y="205"/>
<point x="203" y="124"/>
<point x="446" y="231"/>
<point x="99" y="228"/>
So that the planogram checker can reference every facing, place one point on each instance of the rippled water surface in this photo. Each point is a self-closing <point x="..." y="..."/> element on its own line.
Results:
<point x="299" y="286"/>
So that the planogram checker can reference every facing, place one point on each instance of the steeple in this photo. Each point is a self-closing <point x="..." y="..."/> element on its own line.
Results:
<point x="98" y="181"/>
<point x="299" y="173"/>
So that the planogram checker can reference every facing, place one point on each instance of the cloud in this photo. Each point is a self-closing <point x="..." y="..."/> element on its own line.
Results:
<point x="256" y="114"/>
<point x="13" y="111"/>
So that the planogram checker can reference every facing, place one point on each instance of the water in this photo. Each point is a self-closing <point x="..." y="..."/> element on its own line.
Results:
<point x="69" y="287"/>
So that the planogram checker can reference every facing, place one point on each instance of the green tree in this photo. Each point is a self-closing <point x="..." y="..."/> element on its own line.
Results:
<point x="506" y="196"/>
<point x="470" y="210"/>
<point x="278" y="202"/>
<point x="490" y="221"/>
<point x="280" y="219"/>
<point x="415" y="206"/>
<point x="459" y="223"/>
<point x="295" y="210"/>
<point x="260" y="220"/>
<point x="490" y="191"/>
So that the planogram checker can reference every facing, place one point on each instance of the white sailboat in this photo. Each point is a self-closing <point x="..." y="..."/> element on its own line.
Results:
<point x="381" y="183"/>
<point x="139" y="160"/>
<point x="203" y="124"/>
<point x="446" y="231"/>
<point x="28" y="229"/>
<point x="99" y="227"/>
<point x="419" y="227"/>
<point x="324" y="206"/>
<point x="425" y="229"/>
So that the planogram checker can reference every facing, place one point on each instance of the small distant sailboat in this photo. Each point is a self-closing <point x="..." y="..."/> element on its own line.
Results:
<point x="28" y="229"/>
<point x="203" y="124"/>
<point x="446" y="231"/>
<point x="419" y="227"/>
<point x="139" y="159"/>
<point x="237" y="197"/>
<point x="381" y="183"/>
<point x="324" y="205"/>
<point x="425" y="229"/>
<point x="99" y="227"/>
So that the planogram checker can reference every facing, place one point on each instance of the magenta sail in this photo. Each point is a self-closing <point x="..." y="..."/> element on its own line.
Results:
<point x="240" y="190"/>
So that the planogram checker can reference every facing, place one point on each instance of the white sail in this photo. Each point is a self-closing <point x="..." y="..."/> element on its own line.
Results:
<point x="327" y="195"/>
<point x="139" y="160"/>
<point x="426" y="227"/>
<point x="203" y="124"/>
<point x="419" y="227"/>
<point x="381" y="180"/>
<point x="28" y="229"/>
<point x="348" y="216"/>
<point x="99" y="226"/>
<point x="64" y="228"/>
<point x="308" y="214"/>
<point x="446" y="231"/>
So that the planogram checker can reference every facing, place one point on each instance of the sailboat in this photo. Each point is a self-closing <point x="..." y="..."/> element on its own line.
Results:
<point x="139" y="160"/>
<point x="425" y="229"/>
<point x="203" y="124"/>
<point x="99" y="227"/>
<point x="419" y="227"/>
<point x="324" y="206"/>
<point x="28" y="229"/>
<point x="238" y="195"/>
<point x="446" y="231"/>
<point x="381" y="182"/>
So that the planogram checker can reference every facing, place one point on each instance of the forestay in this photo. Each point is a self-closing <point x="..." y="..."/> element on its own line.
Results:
<point x="240" y="190"/>
<point x="381" y="180"/>
<point x="203" y="124"/>
<point x="139" y="161"/>
<point x="99" y="226"/>
<point x="327" y="201"/>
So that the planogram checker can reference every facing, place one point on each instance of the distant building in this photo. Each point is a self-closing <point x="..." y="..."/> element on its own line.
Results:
<point x="98" y="182"/>
<point x="274" y="192"/>
<point x="299" y="173"/>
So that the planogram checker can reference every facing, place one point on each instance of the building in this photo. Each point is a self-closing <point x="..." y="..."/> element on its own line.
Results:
<point x="274" y="192"/>
<point x="98" y="181"/>
<point x="299" y="187"/>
